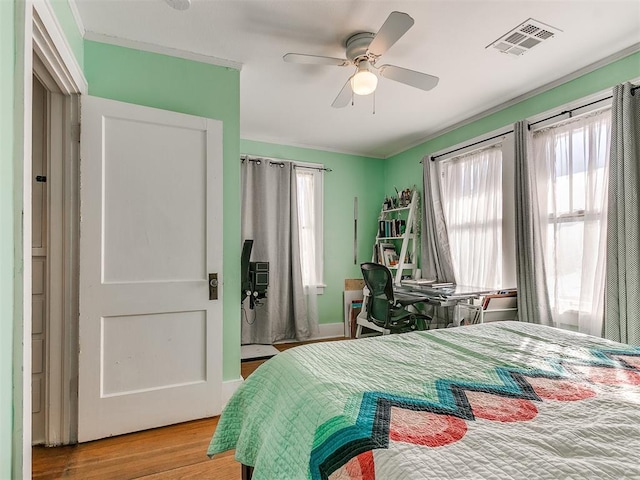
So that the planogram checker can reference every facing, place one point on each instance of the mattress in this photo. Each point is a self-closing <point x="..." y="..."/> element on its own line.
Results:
<point x="505" y="400"/>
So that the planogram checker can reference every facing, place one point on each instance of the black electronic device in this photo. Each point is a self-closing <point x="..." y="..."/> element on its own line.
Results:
<point x="254" y="276"/>
<point x="259" y="274"/>
<point x="245" y="280"/>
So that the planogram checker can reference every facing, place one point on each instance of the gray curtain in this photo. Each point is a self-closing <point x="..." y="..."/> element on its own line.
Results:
<point x="270" y="219"/>
<point x="435" y="251"/>
<point x="533" y="296"/>
<point x="622" y="319"/>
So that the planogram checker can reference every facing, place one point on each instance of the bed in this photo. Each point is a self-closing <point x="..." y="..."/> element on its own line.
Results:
<point x="503" y="400"/>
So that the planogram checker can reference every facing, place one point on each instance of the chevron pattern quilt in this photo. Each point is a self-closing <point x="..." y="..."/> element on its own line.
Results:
<point x="504" y="400"/>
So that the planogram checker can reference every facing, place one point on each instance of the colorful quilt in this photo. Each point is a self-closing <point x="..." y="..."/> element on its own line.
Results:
<point x="504" y="400"/>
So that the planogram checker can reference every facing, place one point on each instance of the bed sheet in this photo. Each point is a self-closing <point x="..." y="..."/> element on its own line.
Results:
<point x="505" y="400"/>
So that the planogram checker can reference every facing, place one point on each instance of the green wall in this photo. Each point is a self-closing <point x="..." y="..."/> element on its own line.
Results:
<point x="405" y="167"/>
<point x="7" y="232"/>
<point x="68" y="24"/>
<point x="351" y="176"/>
<point x="209" y="91"/>
<point x="193" y="88"/>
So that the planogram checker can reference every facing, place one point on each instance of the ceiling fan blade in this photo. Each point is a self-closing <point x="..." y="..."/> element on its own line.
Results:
<point x="409" y="77"/>
<point x="394" y="27"/>
<point x="342" y="100"/>
<point x="315" y="59"/>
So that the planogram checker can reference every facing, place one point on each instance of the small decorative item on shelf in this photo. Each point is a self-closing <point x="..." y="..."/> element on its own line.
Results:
<point x="405" y="197"/>
<point x="396" y="239"/>
<point x="402" y="199"/>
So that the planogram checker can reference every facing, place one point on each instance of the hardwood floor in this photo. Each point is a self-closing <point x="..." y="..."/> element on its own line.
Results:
<point x="174" y="452"/>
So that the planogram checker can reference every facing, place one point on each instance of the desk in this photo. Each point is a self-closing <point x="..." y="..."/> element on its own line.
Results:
<point x="445" y="296"/>
<point x="457" y="296"/>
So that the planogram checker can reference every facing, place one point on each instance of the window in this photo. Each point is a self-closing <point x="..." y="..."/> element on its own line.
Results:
<point x="572" y="161"/>
<point x="471" y="188"/>
<point x="309" y="181"/>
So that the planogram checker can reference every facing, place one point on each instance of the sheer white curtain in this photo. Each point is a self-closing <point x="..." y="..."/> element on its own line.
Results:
<point x="307" y="226"/>
<point x="309" y="200"/>
<point x="574" y="158"/>
<point x="471" y="188"/>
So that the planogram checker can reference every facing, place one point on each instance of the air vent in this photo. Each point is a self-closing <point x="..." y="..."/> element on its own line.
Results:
<point x="524" y="37"/>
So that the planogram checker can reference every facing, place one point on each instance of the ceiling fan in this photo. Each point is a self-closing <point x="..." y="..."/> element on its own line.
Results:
<point x="363" y="51"/>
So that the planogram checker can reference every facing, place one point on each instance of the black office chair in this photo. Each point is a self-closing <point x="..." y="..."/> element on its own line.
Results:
<point x="383" y="309"/>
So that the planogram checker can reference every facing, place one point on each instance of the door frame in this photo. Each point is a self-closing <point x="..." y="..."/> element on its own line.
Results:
<point x="55" y="65"/>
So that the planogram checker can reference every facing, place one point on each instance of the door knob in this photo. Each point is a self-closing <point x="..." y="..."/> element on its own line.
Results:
<point x="213" y="286"/>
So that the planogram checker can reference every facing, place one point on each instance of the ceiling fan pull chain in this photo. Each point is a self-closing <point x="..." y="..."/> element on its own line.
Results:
<point x="374" y="103"/>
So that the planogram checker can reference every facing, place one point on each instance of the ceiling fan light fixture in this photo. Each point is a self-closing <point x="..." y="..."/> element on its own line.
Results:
<point x="364" y="81"/>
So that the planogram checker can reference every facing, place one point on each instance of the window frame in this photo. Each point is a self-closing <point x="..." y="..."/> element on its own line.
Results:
<point x="505" y="137"/>
<point x="569" y="317"/>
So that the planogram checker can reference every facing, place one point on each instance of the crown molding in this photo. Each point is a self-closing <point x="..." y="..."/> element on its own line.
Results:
<point x="52" y="47"/>
<point x="285" y="142"/>
<point x="76" y="16"/>
<point x="153" y="48"/>
<point x="514" y="101"/>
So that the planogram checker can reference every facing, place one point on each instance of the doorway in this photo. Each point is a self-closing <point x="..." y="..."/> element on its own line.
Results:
<point x="39" y="216"/>
<point x="54" y="186"/>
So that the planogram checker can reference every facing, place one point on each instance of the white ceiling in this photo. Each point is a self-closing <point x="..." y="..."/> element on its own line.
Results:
<point x="290" y="104"/>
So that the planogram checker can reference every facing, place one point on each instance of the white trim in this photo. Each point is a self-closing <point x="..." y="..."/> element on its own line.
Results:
<point x="598" y="101"/>
<point x="50" y="44"/>
<point x="56" y="65"/>
<point x="603" y="99"/>
<point x="477" y="143"/>
<point x="280" y="141"/>
<point x="325" y="330"/>
<point x="329" y="330"/>
<point x="22" y="292"/>
<point x="54" y="384"/>
<point x="76" y="16"/>
<point x="71" y="253"/>
<point x="229" y="388"/>
<point x="514" y="101"/>
<point x="153" y="48"/>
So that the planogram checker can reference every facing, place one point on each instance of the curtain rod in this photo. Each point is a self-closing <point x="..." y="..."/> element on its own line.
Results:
<point x="565" y="112"/>
<point x="433" y="157"/>
<point x="570" y="111"/>
<point x="271" y="161"/>
<point x="322" y="169"/>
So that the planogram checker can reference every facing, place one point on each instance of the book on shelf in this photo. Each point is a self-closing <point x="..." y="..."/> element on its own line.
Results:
<point x="388" y="255"/>
<point x="354" y="310"/>
<point x="392" y="228"/>
<point x="391" y="258"/>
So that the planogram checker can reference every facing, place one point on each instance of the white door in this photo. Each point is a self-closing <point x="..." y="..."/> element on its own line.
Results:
<point x="150" y="235"/>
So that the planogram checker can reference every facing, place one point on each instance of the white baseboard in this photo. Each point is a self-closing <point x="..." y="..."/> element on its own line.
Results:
<point x="325" y="330"/>
<point x="329" y="330"/>
<point x="229" y="388"/>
